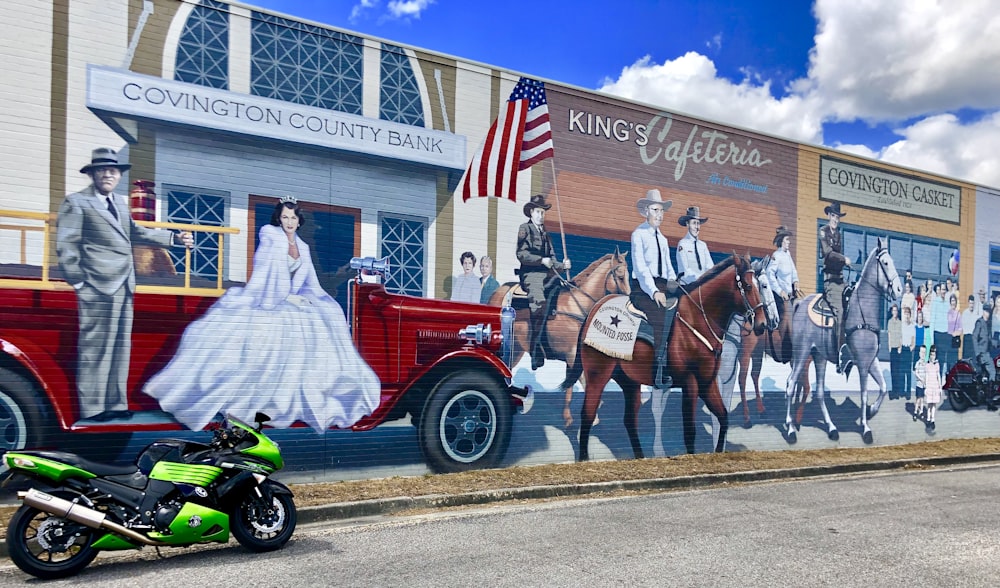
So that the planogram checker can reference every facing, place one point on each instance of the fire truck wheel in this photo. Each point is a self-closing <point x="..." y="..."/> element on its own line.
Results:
<point x="24" y="413"/>
<point x="465" y="423"/>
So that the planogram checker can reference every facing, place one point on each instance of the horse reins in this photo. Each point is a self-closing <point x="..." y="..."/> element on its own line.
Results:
<point x="886" y="294"/>
<point x="750" y="313"/>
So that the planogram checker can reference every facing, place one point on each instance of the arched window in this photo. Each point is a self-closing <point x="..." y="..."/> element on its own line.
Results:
<point x="305" y="64"/>
<point x="399" y="96"/>
<point x="203" y="49"/>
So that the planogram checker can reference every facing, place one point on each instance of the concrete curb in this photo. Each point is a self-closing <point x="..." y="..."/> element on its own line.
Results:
<point x="366" y="508"/>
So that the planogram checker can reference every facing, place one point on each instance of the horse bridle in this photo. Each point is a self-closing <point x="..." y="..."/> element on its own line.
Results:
<point x="573" y="289"/>
<point x="748" y="317"/>
<point x="887" y="292"/>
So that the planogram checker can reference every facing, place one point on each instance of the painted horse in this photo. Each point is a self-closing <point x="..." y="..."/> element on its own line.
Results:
<point x="736" y="334"/>
<point x="878" y="281"/>
<point x="607" y="275"/>
<point x="775" y="342"/>
<point x="704" y="310"/>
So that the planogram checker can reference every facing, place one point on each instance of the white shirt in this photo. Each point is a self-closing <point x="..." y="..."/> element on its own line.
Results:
<point x="649" y="245"/>
<point x="781" y="273"/>
<point x="687" y="259"/>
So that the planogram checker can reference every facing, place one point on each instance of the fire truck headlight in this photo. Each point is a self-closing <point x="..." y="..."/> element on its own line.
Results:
<point x="477" y="334"/>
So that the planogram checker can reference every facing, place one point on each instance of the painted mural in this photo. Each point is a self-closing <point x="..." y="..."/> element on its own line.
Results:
<point x="437" y="266"/>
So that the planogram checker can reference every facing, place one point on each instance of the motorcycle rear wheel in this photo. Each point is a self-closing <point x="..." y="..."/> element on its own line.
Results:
<point x="263" y="523"/>
<point x="47" y="546"/>
<point x="958" y="400"/>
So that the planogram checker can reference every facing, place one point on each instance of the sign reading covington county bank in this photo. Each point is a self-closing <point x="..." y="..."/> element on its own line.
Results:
<point x="873" y="188"/>
<point x="117" y="91"/>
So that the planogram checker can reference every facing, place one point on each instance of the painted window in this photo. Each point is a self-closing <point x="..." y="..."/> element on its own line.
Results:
<point x="404" y="241"/>
<point x="197" y="206"/>
<point x="399" y="95"/>
<point x="305" y="64"/>
<point x="926" y="257"/>
<point x="203" y="49"/>
<point x="994" y="270"/>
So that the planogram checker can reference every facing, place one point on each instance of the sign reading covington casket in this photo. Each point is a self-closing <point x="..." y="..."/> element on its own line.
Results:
<point x="874" y="188"/>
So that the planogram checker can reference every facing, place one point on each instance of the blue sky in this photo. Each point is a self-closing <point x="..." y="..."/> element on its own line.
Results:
<point x="912" y="82"/>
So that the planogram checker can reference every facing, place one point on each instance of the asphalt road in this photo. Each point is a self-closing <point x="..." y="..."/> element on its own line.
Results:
<point x="917" y="528"/>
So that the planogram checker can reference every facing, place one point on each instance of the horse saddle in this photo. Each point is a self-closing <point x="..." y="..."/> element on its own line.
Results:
<point x="517" y="297"/>
<point x="634" y="311"/>
<point x="821" y="311"/>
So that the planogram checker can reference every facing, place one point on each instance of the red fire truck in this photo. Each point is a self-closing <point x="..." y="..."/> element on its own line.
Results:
<point x="441" y="362"/>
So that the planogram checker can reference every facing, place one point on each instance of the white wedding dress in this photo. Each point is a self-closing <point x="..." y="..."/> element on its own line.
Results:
<point x="279" y="345"/>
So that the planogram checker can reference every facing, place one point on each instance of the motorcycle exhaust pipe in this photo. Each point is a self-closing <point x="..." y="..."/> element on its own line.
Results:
<point x="80" y="514"/>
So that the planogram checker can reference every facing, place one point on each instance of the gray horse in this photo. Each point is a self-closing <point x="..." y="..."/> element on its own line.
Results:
<point x="879" y="280"/>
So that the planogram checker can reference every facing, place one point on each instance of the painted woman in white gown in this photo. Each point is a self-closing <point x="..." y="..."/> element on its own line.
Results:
<point x="279" y="345"/>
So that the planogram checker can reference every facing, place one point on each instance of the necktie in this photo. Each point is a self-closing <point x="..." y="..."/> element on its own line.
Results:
<point x="697" y="257"/>
<point x="659" y="256"/>
<point x="111" y="207"/>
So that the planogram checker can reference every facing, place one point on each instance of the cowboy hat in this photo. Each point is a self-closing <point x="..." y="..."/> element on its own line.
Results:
<point x="652" y="197"/>
<point x="834" y="208"/>
<point x="104" y="157"/>
<point x="693" y="212"/>
<point x="537" y="201"/>
<point x="780" y="233"/>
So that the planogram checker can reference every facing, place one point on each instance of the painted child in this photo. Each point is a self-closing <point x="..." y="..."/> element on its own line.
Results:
<point x="919" y="371"/>
<point x="932" y="387"/>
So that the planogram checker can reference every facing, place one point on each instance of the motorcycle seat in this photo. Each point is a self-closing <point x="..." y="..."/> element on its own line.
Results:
<point x="94" y="467"/>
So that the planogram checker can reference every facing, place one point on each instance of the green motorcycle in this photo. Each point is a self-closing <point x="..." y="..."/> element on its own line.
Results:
<point x="178" y="493"/>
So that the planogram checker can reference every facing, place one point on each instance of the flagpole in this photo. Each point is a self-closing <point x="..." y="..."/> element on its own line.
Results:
<point x="562" y="231"/>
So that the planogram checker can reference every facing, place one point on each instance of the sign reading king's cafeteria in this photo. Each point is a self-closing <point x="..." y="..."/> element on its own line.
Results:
<point x="873" y="188"/>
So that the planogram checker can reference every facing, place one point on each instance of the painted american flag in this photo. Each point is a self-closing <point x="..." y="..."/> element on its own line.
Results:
<point x="520" y="137"/>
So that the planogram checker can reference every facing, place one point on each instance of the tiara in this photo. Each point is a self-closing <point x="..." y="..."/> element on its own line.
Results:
<point x="288" y="200"/>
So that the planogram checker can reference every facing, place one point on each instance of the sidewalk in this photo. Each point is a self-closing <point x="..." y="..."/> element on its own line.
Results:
<point x="364" y="508"/>
<point x="387" y="506"/>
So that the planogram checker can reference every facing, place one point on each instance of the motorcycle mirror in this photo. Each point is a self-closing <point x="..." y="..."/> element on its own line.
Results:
<point x="260" y="418"/>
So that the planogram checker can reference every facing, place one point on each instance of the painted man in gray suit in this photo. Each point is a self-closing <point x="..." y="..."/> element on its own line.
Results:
<point x="94" y="239"/>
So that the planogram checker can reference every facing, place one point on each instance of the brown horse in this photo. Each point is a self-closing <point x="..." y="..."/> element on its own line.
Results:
<point x="607" y="275"/>
<point x="703" y="313"/>
<point x="777" y="344"/>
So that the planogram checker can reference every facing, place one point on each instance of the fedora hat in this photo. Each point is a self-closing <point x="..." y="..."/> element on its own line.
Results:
<point x="834" y="208"/>
<point x="693" y="212"/>
<point x="104" y="157"/>
<point x="780" y="233"/>
<point x="537" y="201"/>
<point x="652" y="197"/>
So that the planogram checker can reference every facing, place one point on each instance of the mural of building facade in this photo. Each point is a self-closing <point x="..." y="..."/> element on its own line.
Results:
<point x="410" y="260"/>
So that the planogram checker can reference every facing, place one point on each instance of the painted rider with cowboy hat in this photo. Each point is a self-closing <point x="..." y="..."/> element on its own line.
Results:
<point x="653" y="278"/>
<point x="693" y="257"/>
<point x="834" y="262"/>
<point x="538" y="263"/>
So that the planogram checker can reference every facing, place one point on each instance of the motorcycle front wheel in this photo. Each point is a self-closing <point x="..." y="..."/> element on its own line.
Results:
<point x="265" y="521"/>
<point x="47" y="546"/>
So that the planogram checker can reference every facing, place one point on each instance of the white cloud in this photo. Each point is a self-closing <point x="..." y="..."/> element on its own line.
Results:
<point x="944" y="145"/>
<point x="691" y="84"/>
<point x="895" y="59"/>
<point x="715" y="43"/>
<point x="358" y="10"/>
<point x="878" y="62"/>
<point x="395" y="9"/>
<point x="408" y="8"/>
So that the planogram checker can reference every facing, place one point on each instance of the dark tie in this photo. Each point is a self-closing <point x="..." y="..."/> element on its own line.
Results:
<point x="112" y="208"/>
<point x="659" y="256"/>
<point x="697" y="257"/>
